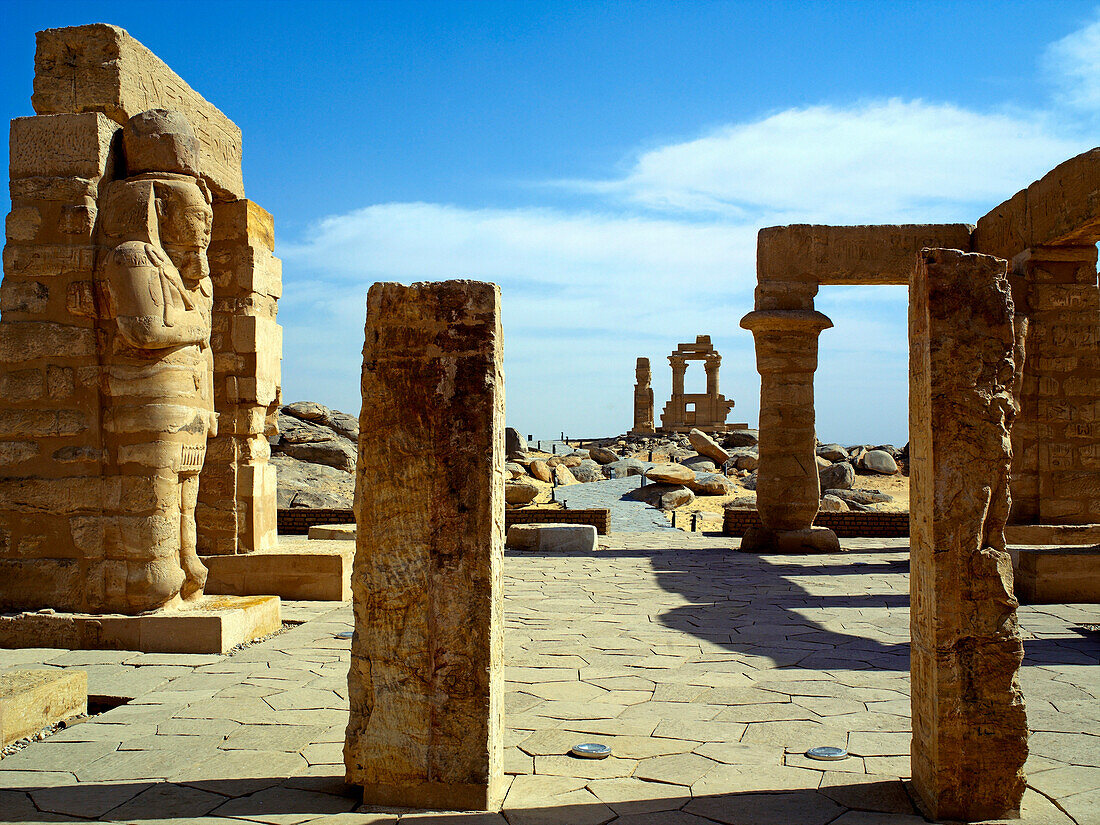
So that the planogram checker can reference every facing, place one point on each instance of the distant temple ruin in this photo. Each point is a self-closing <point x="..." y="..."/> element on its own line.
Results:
<point x="686" y="411"/>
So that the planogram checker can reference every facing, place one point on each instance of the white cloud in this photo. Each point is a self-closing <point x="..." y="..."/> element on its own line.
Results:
<point x="1074" y="64"/>
<point x="876" y="162"/>
<point x="584" y="294"/>
<point x="587" y="291"/>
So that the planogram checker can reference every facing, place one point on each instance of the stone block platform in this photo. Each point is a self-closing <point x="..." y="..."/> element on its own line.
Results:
<point x="332" y="532"/>
<point x="552" y="538"/>
<point x="1057" y="575"/>
<point x="296" y="570"/>
<point x="214" y="624"/>
<point x="709" y="673"/>
<point x="33" y="699"/>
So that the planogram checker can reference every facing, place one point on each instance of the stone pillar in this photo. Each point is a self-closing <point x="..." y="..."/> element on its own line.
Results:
<point x="426" y="684"/>
<point x="712" y="364"/>
<point x="787" y="489"/>
<point x="679" y="368"/>
<point x="237" y="506"/>
<point x="643" y="399"/>
<point x="969" y="725"/>
<point x="1056" y="438"/>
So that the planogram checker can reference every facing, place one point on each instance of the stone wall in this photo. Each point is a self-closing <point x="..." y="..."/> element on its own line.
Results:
<point x="53" y="490"/>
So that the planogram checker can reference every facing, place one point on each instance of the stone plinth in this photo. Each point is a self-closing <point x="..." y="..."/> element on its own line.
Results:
<point x="295" y="575"/>
<point x="969" y="725"/>
<point x="788" y="488"/>
<point x="212" y="624"/>
<point x="1057" y="575"/>
<point x="426" y="679"/>
<point x="34" y="699"/>
<point x="552" y="538"/>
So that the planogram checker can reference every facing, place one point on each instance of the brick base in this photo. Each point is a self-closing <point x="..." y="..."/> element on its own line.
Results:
<point x="845" y="525"/>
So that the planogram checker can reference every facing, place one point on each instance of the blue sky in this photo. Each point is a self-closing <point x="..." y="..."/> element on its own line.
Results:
<point x="609" y="165"/>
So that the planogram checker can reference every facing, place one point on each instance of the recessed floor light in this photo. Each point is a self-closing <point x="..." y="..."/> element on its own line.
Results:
<point x="827" y="754"/>
<point x="591" y="750"/>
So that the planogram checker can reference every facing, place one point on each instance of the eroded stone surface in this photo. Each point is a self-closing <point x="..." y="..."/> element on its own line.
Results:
<point x="426" y="680"/>
<point x="969" y="725"/>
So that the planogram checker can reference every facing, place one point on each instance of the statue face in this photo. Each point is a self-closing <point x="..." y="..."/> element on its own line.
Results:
<point x="185" y="214"/>
<point x="185" y="217"/>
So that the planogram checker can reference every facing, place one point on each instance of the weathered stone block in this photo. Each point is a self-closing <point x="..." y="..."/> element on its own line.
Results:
<point x="101" y="68"/>
<point x="34" y="699"/>
<point x="426" y="678"/>
<point x="60" y="145"/>
<point x="969" y="725"/>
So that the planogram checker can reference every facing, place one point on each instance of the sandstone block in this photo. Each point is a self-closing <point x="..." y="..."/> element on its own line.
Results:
<point x="969" y="725"/>
<point x="101" y="68"/>
<point x="426" y="680"/>
<point x="552" y="538"/>
<point x="33" y="699"/>
<point x="60" y="145"/>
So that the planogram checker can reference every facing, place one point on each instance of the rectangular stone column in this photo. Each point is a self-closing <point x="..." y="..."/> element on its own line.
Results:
<point x="969" y="725"/>
<point x="426" y="679"/>
<point x="1056" y="440"/>
<point x="58" y="511"/>
<point x="237" y="506"/>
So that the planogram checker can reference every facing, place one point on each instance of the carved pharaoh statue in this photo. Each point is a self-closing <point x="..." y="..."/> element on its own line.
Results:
<point x="156" y="296"/>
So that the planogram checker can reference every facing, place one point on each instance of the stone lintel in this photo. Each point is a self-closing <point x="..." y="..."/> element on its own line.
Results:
<point x="426" y="682"/>
<point x="32" y="699"/>
<point x="842" y="255"/>
<point x="213" y="624"/>
<point x="1062" y="208"/>
<point x="101" y="68"/>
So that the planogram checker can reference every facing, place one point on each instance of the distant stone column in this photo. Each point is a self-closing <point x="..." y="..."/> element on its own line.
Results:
<point x="711" y="366"/>
<point x="679" y="368"/>
<point x="426" y="680"/>
<point x="969" y="724"/>
<point x="643" y="399"/>
<point x="788" y="489"/>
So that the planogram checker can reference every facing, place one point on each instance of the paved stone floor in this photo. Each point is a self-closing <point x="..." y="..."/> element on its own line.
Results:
<point x="709" y="672"/>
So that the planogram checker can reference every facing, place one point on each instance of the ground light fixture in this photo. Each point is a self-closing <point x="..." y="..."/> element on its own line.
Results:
<point x="827" y="753"/>
<point x="591" y="750"/>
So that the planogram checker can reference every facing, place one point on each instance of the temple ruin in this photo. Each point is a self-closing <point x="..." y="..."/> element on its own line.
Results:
<point x="139" y="353"/>
<point x="704" y="411"/>
<point x="1047" y="380"/>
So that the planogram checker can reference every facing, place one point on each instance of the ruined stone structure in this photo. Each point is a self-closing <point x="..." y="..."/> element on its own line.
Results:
<point x="686" y="411"/>
<point x="426" y="680"/>
<point x="1048" y="234"/>
<point x="643" y="399"/>
<point x="139" y="295"/>
<point x="969" y="726"/>
<point x="963" y="624"/>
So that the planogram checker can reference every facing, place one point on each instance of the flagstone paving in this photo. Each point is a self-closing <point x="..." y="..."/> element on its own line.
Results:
<point x="709" y="672"/>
